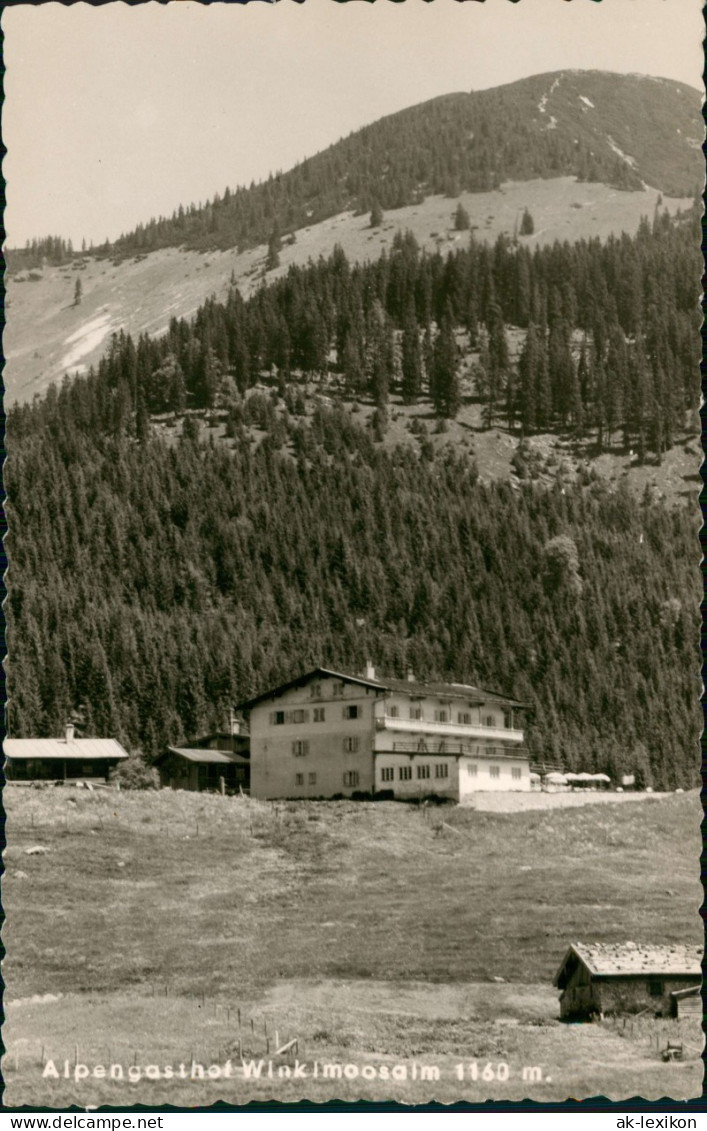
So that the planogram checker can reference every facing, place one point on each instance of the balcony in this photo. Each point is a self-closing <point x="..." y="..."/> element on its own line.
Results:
<point x="452" y="747"/>
<point x="422" y="728"/>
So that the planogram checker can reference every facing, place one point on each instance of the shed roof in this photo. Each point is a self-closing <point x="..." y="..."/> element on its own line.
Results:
<point x="413" y="687"/>
<point x="205" y="757"/>
<point x="623" y="960"/>
<point x="61" y="750"/>
<point x="690" y="991"/>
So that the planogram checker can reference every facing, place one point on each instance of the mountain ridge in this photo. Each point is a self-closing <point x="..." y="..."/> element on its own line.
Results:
<point x="420" y="151"/>
<point x="599" y="126"/>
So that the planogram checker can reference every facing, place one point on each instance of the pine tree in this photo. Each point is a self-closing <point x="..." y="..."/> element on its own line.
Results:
<point x="411" y="360"/>
<point x="527" y="224"/>
<point x="462" y="223"/>
<point x="142" y="419"/>
<point x="528" y="367"/>
<point x="274" y="247"/>
<point x="445" y="391"/>
<point x="497" y="364"/>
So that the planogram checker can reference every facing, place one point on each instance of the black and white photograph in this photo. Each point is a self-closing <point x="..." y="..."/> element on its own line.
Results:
<point x="352" y="400"/>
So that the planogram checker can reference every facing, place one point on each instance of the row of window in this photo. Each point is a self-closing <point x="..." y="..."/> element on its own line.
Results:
<point x="351" y="745"/>
<point x="354" y="711"/>
<point x="337" y="690"/>
<point x="423" y="773"/>
<point x="441" y="771"/>
<point x="301" y="715"/>
<point x="350" y="778"/>
<point x="442" y="715"/>
<point x="494" y="771"/>
<point x="405" y="772"/>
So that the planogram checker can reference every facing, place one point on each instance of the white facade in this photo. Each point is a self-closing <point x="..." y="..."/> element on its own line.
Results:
<point x="330" y="734"/>
<point x="458" y="778"/>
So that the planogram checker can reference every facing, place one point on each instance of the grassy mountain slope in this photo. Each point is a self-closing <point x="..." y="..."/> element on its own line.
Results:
<point x="47" y="336"/>
<point x="623" y="130"/>
<point x="526" y="144"/>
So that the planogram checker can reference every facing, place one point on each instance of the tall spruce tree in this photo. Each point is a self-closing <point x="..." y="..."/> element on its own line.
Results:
<point x="445" y="390"/>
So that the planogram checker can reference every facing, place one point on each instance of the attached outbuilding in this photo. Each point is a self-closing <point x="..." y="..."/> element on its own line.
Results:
<point x="606" y="978"/>
<point x="62" y="759"/>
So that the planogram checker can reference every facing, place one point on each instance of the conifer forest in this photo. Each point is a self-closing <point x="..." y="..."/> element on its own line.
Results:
<point x="155" y="581"/>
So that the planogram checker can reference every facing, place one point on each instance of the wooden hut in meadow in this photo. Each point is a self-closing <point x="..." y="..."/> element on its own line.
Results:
<point x="609" y="978"/>
<point x="199" y="768"/>
<point x="67" y="759"/>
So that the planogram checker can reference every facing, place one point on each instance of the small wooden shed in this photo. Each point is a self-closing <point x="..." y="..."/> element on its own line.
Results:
<point x="608" y="978"/>
<point x="195" y="768"/>
<point x="687" y="1003"/>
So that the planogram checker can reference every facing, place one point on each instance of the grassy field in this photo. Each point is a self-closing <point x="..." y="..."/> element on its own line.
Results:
<point x="376" y="934"/>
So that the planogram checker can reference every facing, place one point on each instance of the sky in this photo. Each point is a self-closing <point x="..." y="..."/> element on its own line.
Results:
<point x="116" y="114"/>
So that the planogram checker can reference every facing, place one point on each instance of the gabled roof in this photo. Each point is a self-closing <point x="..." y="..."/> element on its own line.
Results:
<point x="58" y="749"/>
<point x="624" y="960"/>
<point x="205" y="757"/>
<point x="414" y="687"/>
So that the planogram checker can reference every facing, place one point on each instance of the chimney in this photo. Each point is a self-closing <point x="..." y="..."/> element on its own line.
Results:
<point x="370" y="671"/>
<point x="70" y="731"/>
<point x="234" y="724"/>
<point x="411" y="676"/>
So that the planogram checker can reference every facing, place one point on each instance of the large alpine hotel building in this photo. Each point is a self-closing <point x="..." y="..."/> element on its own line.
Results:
<point x="328" y="733"/>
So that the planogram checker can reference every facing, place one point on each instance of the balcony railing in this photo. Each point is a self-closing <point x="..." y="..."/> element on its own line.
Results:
<point x="451" y="730"/>
<point x="450" y="747"/>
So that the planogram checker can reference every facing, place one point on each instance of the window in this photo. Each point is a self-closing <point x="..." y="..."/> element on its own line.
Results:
<point x="315" y="691"/>
<point x="404" y="773"/>
<point x="312" y="779"/>
<point x="494" y="771"/>
<point x="516" y="773"/>
<point x="300" y="748"/>
<point x="423" y="771"/>
<point x="441" y="770"/>
<point x="442" y="716"/>
<point x="392" y="710"/>
<point x="416" y="712"/>
<point x="464" y="717"/>
<point x="489" y="720"/>
<point x="319" y="714"/>
<point x="351" y="712"/>
<point x="387" y="773"/>
<point x="337" y="688"/>
<point x="351" y="745"/>
<point x="299" y="779"/>
<point x="472" y="769"/>
<point x="508" y="720"/>
<point x="655" y="989"/>
<point x="351" y="777"/>
<point x="279" y="718"/>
